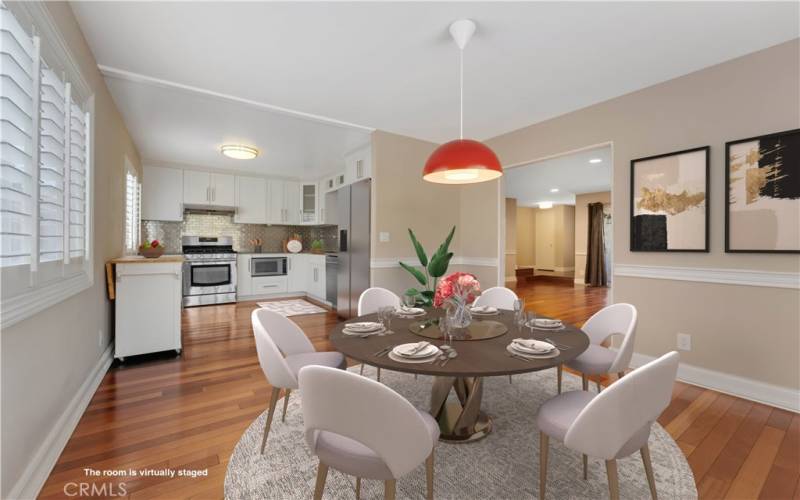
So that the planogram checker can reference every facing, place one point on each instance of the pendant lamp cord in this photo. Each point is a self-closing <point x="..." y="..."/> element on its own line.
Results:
<point x="461" y="88"/>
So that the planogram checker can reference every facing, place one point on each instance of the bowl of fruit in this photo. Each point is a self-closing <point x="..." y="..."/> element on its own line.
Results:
<point x="151" y="249"/>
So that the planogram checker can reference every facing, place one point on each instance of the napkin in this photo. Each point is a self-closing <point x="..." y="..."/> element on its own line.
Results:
<point x="534" y="345"/>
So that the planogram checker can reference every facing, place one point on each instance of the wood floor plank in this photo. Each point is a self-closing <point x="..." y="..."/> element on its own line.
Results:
<point x="785" y="473"/>
<point x="754" y="470"/>
<point x="680" y="423"/>
<point x="709" y="449"/>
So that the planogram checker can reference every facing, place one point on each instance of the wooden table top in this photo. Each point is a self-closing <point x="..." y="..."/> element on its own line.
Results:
<point x="476" y="358"/>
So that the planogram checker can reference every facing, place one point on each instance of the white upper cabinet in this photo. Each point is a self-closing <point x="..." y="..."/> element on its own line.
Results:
<point x="223" y="190"/>
<point x="276" y="212"/>
<point x="162" y="194"/>
<point x="358" y="165"/>
<point x="328" y="184"/>
<point x="309" y="202"/>
<point x="205" y="189"/>
<point x="196" y="188"/>
<point x="292" y="202"/>
<point x="251" y="200"/>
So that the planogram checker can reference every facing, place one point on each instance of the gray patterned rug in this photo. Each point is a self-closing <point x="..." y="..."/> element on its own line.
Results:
<point x="504" y="465"/>
<point x="292" y="307"/>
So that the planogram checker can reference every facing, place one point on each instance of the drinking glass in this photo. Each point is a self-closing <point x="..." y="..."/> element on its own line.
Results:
<point x="386" y="314"/>
<point x="409" y="300"/>
<point x="444" y="327"/>
<point x="531" y="321"/>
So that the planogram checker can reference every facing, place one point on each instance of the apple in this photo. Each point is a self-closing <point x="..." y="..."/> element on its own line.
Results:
<point x="154" y="243"/>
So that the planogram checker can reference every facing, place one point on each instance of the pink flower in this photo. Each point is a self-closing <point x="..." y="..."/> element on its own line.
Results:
<point x="461" y="286"/>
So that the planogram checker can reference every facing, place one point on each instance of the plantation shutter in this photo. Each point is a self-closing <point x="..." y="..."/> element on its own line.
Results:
<point x="52" y="151"/>
<point x="18" y="54"/>
<point x="77" y="180"/>
<point x="132" y="215"/>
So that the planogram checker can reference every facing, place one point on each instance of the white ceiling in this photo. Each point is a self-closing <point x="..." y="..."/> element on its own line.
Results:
<point x="172" y="126"/>
<point x="571" y="174"/>
<point x="392" y="65"/>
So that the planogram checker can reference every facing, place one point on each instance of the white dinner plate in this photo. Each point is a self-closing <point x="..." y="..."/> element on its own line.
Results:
<point x="531" y="346"/>
<point x="363" y="326"/>
<point x="427" y="359"/>
<point x="547" y="323"/>
<point x="552" y="354"/>
<point x="357" y="333"/>
<point x="408" y="350"/>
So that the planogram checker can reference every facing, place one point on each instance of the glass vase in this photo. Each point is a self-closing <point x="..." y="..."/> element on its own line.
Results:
<point x="458" y="314"/>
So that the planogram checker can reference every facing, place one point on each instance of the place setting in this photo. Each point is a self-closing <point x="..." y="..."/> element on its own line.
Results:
<point x="531" y="349"/>
<point x="481" y="311"/>
<point x="363" y="329"/>
<point x="412" y="352"/>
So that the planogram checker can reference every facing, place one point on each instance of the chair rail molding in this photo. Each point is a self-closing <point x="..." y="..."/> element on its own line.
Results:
<point x="390" y="262"/>
<point x="44" y="459"/>
<point x="746" y="388"/>
<point x="744" y="277"/>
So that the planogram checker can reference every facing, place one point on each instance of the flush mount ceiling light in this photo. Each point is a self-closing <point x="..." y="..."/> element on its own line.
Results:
<point x="546" y="204"/>
<point x="463" y="161"/>
<point x="239" y="152"/>
<point x="554" y="190"/>
<point x="596" y="160"/>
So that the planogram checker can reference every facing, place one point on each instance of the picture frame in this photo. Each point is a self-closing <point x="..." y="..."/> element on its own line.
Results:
<point x="762" y="206"/>
<point x="669" y="202"/>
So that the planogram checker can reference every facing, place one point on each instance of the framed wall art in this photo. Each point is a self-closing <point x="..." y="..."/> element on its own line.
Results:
<point x="669" y="202"/>
<point x="762" y="179"/>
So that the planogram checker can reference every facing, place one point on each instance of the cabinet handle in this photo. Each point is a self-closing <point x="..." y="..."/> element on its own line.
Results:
<point x="289" y="263"/>
<point x="208" y="193"/>
<point x="213" y="194"/>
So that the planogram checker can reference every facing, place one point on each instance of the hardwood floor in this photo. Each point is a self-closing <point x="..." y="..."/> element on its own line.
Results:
<point x="189" y="412"/>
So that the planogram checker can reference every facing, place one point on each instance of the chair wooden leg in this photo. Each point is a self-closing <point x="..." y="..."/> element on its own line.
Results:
<point x="544" y="442"/>
<point x="599" y="387"/>
<point x="585" y="467"/>
<point x="389" y="489"/>
<point x="379" y="374"/>
<point x="415" y="376"/>
<point x="285" y="404"/>
<point x="361" y="371"/>
<point x="509" y="380"/>
<point x="620" y="375"/>
<point x="613" y="480"/>
<point x="429" y="475"/>
<point x="322" y="475"/>
<point x="273" y="401"/>
<point x="560" y="376"/>
<point x="584" y="382"/>
<point x="648" y="469"/>
<point x="358" y="488"/>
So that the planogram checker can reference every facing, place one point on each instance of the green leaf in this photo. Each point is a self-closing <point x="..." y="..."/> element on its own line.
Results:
<point x="445" y="246"/>
<point x="412" y="292"/>
<point x="427" y="297"/>
<point x="438" y="265"/>
<point x="416" y="273"/>
<point x="421" y="255"/>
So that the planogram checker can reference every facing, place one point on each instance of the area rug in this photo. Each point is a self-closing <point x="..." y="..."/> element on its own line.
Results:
<point x="504" y="465"/>
<point x="291" y="307"/>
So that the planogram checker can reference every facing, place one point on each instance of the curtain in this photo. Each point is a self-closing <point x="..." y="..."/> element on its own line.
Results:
<point x="595" y="248"/>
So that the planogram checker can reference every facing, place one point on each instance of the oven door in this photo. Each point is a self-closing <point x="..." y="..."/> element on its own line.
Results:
<point x="210" y="277"/>
<point x="267" y="266"/>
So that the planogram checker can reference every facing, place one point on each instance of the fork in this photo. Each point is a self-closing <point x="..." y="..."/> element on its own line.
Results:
<point x="561" y="347"/>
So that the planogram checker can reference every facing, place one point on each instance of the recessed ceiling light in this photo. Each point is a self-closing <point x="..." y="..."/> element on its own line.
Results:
<point x="554" y="190"/>
<point x="546" y="204"/>
<point x="596" y="160"/>
<point x="239" y="152"/>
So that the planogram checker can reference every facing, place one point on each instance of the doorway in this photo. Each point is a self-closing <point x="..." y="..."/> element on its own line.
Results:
<point x="545" y="218"/>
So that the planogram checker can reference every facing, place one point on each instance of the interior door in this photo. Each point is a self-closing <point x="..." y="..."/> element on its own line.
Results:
<point x="545" y="239"/>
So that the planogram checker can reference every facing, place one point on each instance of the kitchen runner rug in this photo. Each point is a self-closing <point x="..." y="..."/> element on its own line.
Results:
<point x="503" y="465"/>
<point x="292" y="307"/>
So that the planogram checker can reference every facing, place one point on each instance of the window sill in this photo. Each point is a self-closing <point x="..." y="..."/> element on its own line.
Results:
<point x="21" y="307"/>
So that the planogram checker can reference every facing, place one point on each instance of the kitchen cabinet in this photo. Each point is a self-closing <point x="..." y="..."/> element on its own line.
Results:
<point x="267" y="285"/>
<point x="251" y="200"/>
<point x="358" y="165"/>
<point x="244" y="285"/>
<point x="329" y="212"/>
<point x="316" y="277"/>
<point x="148" y="307"/>
<point x="162" y="194"/>
<point x="292" y="202"/>
<point x="309" y="202"/>
<point x="328" y="184"/>
<point x="204" y="189"/>
<point x="276" y="211"/>
<point x="297" y="271"/>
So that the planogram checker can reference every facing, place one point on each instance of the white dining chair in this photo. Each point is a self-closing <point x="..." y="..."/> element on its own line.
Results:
<point x="617" y="319"/>
<point x="362" y="428"/>
<point x="497" y="296"/>
<point x="370" y="301"/>
<point x="283" y="349"/>
<point x="612" y="424"/>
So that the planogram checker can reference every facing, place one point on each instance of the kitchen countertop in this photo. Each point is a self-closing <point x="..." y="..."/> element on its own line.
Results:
<point x="138" y="259"/>
<point x="281" y="254"/>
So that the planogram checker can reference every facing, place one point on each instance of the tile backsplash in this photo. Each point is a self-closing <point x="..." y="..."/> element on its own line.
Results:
<point x="196" y="224"/>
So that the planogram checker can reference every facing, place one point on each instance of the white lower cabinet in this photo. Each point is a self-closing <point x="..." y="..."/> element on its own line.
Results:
<point x="305" y="274"/>
<point x="316" y="278"/>
<point x="244" y="286"/>
<point x="148" y="308"/>
<point x="297" y="271"/>
<point x="265" y="285"/>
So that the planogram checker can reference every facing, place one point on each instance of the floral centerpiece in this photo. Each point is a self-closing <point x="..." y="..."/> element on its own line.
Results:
<point x="456" y="292"/>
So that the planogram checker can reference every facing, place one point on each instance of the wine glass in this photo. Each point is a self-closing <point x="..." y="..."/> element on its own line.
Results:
<point x="531" y="321"/>
<point x="444" y="327"/>
<point x="409" y="301"/>
<point x="385" y="314"/>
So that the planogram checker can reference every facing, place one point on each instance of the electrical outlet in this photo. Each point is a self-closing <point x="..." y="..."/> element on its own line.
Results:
<point x="383" y="237"/>
<point x="684" y="342"/>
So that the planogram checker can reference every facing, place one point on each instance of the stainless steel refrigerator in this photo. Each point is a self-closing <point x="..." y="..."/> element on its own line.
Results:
<point x="353" y="218"/>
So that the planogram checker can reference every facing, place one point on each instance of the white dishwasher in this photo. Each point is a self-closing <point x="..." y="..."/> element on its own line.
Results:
<point x="148" y="305"/>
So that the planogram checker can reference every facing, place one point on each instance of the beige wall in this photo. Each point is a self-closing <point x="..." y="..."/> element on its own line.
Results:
<point x="565" y="236"/>
<point x="729" y="101"/>
<point x="526" y="237"/>
<point x="46" y="358"/>
<point x="511" y="239"/>
<point x="582" y="227"/>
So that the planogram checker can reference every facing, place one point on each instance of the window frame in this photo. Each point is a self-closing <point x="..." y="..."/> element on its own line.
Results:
<point x="26" y="291"/>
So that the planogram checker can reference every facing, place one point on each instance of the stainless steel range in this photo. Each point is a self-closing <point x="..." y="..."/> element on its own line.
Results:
<point x="209" y="272"/>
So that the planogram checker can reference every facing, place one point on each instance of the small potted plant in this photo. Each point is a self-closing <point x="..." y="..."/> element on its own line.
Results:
<point x="151" y="249"/>
<point x="316" y="246"/>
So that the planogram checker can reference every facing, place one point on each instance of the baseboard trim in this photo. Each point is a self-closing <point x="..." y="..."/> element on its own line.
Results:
<point x="38" y="469"/>
<point x="708" y="275"/>
<point x="511" y="279"/>
<point x="579" y="281"/>
<point x="741" y="387"/>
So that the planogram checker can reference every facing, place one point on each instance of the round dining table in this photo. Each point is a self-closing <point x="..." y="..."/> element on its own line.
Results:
<point x="482" y="353"/>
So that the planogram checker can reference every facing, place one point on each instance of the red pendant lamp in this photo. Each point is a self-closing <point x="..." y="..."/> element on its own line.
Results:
<point x="463" y="161"/>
